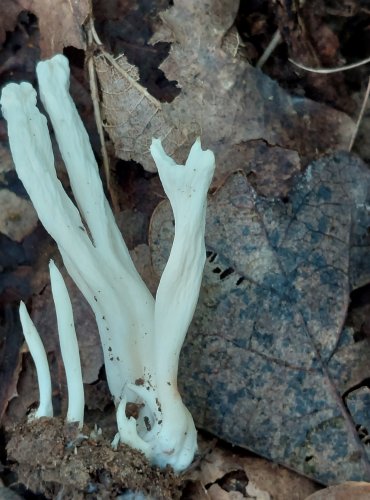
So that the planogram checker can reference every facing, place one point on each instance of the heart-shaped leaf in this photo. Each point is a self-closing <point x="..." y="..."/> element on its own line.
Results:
<point x="268" y="362"/>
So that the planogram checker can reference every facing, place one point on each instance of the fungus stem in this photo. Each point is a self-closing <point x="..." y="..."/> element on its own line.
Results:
<point x="68" y="346"/>
<point x="38" y="354"/>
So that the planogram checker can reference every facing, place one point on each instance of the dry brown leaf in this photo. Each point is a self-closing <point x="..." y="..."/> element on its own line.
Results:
<point x="346" y="491"/>
<point x="256" y="493"/>
<point x="265" y="479"/>
<point x="215" y="492"/>
<point x="10" y="359"/>
<point x="278" y="482"/>
<point x="27" y="393"/>
<point x="133" y="117"/>
<point x="17" y="216"/>
<point x="60" y="22"/>
<point x="222" y="96"/>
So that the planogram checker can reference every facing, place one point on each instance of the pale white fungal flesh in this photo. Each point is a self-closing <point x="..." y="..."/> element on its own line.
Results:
<point x="37" y="350"/>
<point x="141" y="337"/>
<point x="68" y="346"/>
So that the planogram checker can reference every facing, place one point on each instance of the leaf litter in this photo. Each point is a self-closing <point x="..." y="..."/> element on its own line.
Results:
<point x="60" y="22"/>
<point x="244" y="115"/>
<point x="223" y="98"/>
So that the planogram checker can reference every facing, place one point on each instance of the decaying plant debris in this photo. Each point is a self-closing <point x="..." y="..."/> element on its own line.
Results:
<point x="287" y="239"/>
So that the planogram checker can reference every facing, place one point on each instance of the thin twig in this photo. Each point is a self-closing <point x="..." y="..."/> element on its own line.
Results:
<point x="274" y="42"/>
<point x="97" y="115"/>
<point x="327" y="71"/>
<point x="94" y="34"/>
<point x="360" y="116"/>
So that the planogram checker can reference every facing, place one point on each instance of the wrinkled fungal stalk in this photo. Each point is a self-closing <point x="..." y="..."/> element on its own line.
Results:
<point x="141" y="338"/>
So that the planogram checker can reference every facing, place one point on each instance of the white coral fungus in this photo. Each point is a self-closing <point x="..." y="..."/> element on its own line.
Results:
<point x="141" y="337"/>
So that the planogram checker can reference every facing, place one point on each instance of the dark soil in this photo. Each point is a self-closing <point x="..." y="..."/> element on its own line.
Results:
<point x="58" y="461"/>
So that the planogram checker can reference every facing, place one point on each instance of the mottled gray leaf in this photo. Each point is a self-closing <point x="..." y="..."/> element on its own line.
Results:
<point x="267" y="360"/>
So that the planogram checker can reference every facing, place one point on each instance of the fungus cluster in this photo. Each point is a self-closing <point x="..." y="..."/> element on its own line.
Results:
<point x="141" y="336"/>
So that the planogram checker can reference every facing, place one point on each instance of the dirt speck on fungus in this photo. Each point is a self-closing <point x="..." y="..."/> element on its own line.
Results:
<point x="53" y="459"/>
